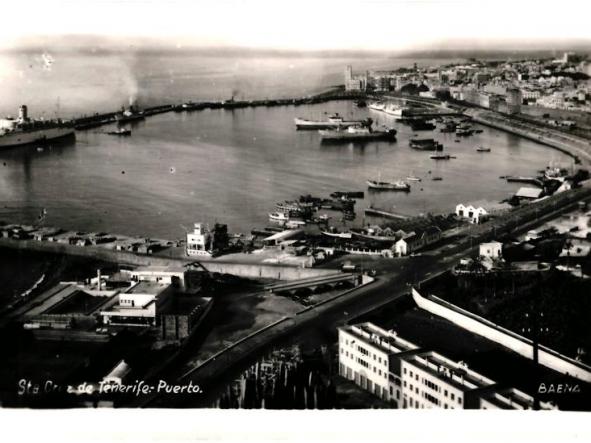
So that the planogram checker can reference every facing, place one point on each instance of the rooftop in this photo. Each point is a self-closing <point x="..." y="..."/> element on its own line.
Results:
<point x="455" y="373"/>
<point x="148" y="287"/>
<point x="373" y="335"/>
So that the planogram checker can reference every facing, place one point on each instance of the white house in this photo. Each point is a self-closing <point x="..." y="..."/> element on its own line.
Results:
<point x="199" y="242"/>
<point x="493" y="249"/>
<point x="473" y="214"/>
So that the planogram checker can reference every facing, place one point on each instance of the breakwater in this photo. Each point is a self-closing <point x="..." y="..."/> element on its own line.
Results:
<point x="96" y="120"/>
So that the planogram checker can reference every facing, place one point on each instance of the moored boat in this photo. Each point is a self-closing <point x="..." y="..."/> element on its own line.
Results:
<point x="356" y="133"/>
<point x="334" y="121"/>
<point x="24" y="131"/>
<point x="378" y="185"/>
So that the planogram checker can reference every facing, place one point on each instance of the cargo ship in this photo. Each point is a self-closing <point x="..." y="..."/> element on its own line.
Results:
<point x="356" y="133"/>
<point x="25" y="131"/>
<point x="334" y="121"/>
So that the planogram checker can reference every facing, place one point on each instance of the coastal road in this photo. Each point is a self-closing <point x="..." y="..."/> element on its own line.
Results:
<point x="389" y="287"/>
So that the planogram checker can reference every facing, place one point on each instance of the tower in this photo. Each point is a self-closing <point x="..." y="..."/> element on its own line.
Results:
<point x="23" y="114"/>
<point x="348" y="75"/>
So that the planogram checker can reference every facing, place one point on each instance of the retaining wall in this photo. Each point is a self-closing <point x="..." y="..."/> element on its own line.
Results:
<point x="515" y="342"/>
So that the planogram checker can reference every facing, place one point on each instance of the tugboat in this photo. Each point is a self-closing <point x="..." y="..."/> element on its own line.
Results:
<point x="482" y="149"/>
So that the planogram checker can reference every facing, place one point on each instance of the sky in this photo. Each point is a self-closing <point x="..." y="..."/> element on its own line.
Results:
<point x="303" y="24"/>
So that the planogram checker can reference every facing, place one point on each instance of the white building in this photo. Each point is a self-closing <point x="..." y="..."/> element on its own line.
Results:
<point x="398" y="372"/>
<point x="199" y="242"/>
<point x="473" y="214"/>
<point x="492" y="249"/>
<point x="365" y="351"/>
<point x="139" y="305"/>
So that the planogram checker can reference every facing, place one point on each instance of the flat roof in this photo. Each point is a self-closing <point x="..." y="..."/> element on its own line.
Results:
<point x="148" y="287"/>
<point x="375" y="336"/>
<point x="454" y="373"/>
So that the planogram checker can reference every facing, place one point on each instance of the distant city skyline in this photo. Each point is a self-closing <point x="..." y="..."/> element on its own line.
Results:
<point x="357" y="25"/>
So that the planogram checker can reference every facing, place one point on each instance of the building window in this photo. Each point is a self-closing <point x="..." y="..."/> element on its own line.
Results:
<point x="404" y="370"/>
<point x="379" y="372"/>
<point x="405" y="383"/>
<point x="445" y="392"/>
<point x="417" y="377"/>
<point x="452" y="396"/>
<point x="460" y="400"/>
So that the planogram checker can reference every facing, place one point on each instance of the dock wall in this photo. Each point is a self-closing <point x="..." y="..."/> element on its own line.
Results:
<point x="247" y="270"/>
<point x="504" y="337"/>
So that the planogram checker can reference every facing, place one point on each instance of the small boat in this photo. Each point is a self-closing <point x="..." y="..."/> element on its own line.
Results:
<point x="437" y="179"/>
<point x="278" y="217"/>
<point x="457" y="141"/>
<point x="388" y="186"/>
<point x="441" y="157"/>
<point x="120" y="132"/>
<point x="413" y="178"/>
<point x="482" y="149"/>
<point x="377" y="106"/>
<point x="344" y="235"/>
<point x="292" y="224"/>
<point x="347" y="194"/>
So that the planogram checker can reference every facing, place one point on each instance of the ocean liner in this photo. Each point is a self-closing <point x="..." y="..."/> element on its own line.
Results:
<point x="25" y="131"/>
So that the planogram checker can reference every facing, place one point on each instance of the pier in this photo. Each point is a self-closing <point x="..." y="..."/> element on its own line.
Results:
<point x="385" y="214"/>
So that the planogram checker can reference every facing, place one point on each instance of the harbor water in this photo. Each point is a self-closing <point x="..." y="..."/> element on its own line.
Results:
<point x="232" y="166"/>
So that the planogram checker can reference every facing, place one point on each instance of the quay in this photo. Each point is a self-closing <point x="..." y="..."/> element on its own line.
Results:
<point x="385" y="214"/>
<point x="577" y="147"/>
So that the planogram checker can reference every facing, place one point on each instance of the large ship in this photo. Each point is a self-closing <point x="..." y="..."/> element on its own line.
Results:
<point x="25" y="131"/>
<point x="334" y="121"/>
<point x="356" y="133"/>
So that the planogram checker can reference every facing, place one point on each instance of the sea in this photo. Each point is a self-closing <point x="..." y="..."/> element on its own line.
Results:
<point x="224" y="166"/>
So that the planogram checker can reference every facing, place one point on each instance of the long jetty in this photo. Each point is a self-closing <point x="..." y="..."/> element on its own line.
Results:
<point x="100" y="119"/>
